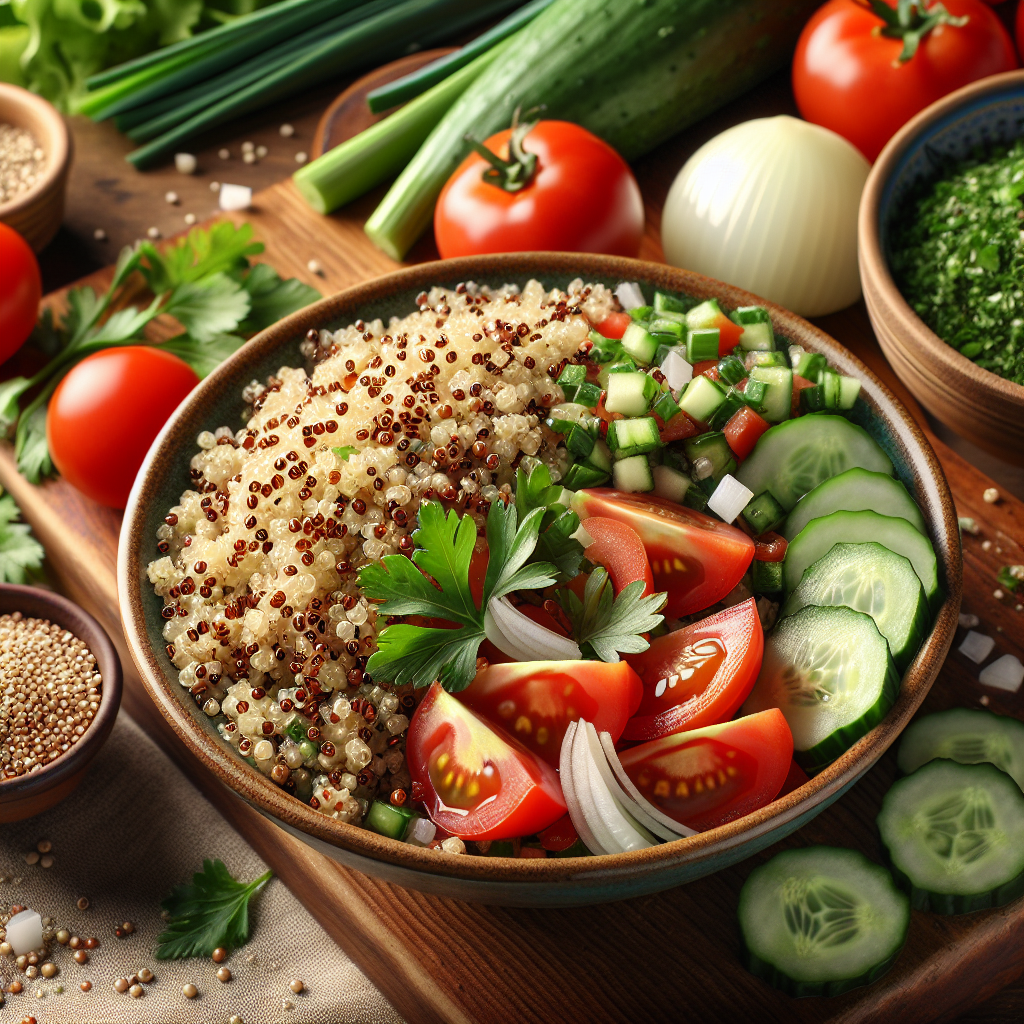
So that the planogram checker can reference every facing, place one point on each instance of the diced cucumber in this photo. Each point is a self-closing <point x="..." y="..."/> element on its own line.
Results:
<point x="872" y="579"/>
<point x="777" y="404"/>
<point x="849" y="390"/>
<point x="571" y="377"/>
<point x="757" y="328"/>
<point x="641" y="312"/>
<point x="670" y="483"/>
<point x="702" y="344"/>
<point x="588" y="395"/>
<point x="853" y="491"/>
<point x="665" y="303"/>
<point x="966" y="735"/>
<point x="821" y="921"/>
<point x="696" y="499"/>
<point x="754" y="392"/>
<point x="666" y="407"/>
<point x="772" y="358"/>
<point x="388" y="820"/>
<point x="731" y="369"/>
<point x="704" y="315"/>
<point x="830" y="672"/>
<point x="638" y="342"/>
<point x="580" y="475"/>
<point x="764" y="513"/>
<point x="715" y="447"/>
<point x="725" y="412"/>
<point x="624" y="365"/>
<point x="600" y="457"/>
<point x="579" y="441"/>
<point x="955" y="836"/>
<point x="629" y="393"/>
<point x="664" y="325"/>
<point x="633" y="474"/>
<point x="793" y="458"/>
<point x="766" y="577"/>
<point x="819" y="536"/>
<point x="701" y="398"/>
<point x="809" y="365"/>
<point x="627" y="438"/>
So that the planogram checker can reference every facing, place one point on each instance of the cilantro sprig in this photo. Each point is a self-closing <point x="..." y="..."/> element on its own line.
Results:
<point x="609" y="625"/>
<point x="212" y="911"/>
<point x="435" y="584"/>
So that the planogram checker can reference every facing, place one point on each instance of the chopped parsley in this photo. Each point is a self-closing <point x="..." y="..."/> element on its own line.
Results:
<point x="957" y="255"/>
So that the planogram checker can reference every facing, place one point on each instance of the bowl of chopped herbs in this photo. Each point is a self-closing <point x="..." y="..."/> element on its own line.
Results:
<point x="941" y="259"/>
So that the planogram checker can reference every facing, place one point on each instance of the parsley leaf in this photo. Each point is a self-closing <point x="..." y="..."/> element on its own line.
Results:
<point x="345" y="451"/>
<point x="30" y="446"/>
<point x="435" y="584"/>
<point x="272" y="298"/>
<point x="203" y="356"/>
<point x="555" y="543"/>
<point x="209" y="307"/>
<point x="612" y="625"/>
<point x="212" y="911"/>
<point x="20" y="552"/>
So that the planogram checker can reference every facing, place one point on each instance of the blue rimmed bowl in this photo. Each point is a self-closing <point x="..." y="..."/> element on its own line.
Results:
<point x="979" y="405"/>
<point x="498" y="880"/>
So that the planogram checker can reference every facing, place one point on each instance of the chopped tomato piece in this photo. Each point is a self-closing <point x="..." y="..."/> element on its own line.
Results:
<point x="535" y="701"/>
<point x="799" y="383"/>
<point x="714" y="775"/>
<point x="618" y="547"/>
<point x="559" y="836"/>
<point x="699" y="675"/>
<point x="478" y="782"/>
<point x="770" y="547"/>
<point x="614" y="325"/>
<point x="728" y="334"/>
<point x="708" y="367"/>
<point x="680" y="427"/>
<point x="743" y="430"/>
<point x="696" y="559"/>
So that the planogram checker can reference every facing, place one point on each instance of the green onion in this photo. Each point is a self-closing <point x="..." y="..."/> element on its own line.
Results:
<point x="382" y="150"/>
<point x="404" y="89"/>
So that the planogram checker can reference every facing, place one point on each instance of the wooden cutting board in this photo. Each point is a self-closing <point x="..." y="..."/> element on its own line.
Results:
<point x="657" y="958"/>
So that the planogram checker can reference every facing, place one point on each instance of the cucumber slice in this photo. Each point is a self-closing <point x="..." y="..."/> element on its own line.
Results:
<point x="967" y="735"/>
<point x="629" y="393"/>
<point x="638" y="342"/>
<point x="600" y="458"/>
<point x="633" y="437"/>
<point x="955" y="835"/>
<point x="633" y="474"/>
<point x="670" y="483"/>
<point x="854" y="491"/>
<point x="757" y="328"/>
<point x="700" y="399"/>
<point x="388" y="820"/>
<point x="821" y="921"/>
<point x="777" y="403"/>
<point x="793" y="458"/>
<point x="872" y="579"/>
<point x="819" y="535"/>
<point x="830" y="672"/>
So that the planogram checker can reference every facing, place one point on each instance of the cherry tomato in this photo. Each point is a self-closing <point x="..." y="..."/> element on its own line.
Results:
<point x="849" y="77"/>
<point x="614" y="325"/>
<point x="770" y="547"/>
<point x="697" y="560"/>
<point x="714" y="775"/>
<point x="743" y="430"/>
<point x="21" y="288"/>
<point x="478" y="782"/>
<point x="536" y="700"/>
<point x="618" y="547"/>
<point x="699" y="675"/>
<point x="106" y="413"/>
<point x="582" y="197"/>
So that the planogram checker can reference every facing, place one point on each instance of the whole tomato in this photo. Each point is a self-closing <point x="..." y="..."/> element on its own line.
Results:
<point x="106" y="413"/>
<point x="864" y="75"/>
<point x="21" y="288"/>
<point x="545" y="186"/>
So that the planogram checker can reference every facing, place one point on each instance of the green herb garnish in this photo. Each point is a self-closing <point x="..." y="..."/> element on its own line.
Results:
<point x="213" y="911"/>
<point x="1012" y="577"/>
<point x="20" y="552"/>
<point x="555" y="543"/>
<point x="610" y="625"/>
<point x="435" y="584"/>
<point x="345" y="451"/>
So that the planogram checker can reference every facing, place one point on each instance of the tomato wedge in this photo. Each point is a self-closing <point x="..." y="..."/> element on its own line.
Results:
<point x="711" y="776"/>
<point x="613" y="325"/>
<point x="618" y="547"/>
<point x="536" y="700"/>
<point x="728" y="334"/>
<point x="697" y="560"/>
<point x="699" y="675"/>
<point x="743" y="430"/>
<point x="478" y="782"/>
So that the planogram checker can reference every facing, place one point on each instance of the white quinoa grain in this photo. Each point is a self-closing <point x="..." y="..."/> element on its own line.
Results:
<point x="991" y="495"/>
<point x="301" y="157"/>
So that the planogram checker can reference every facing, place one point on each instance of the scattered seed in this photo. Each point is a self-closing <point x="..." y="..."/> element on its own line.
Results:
<point x="91" y="943"/>
<point x="100" y="235"/>
<point x="249" y="157"/>
<point x="313" y="266"/>
<point x="986" y="545"/>
<point x="171" y="197"/>
<point x="235" y="1019"/>
<point x="224" y="154"/>
<point x="83" y="903"/>
<point x="991" y="495"/>
<point x="32" y="857"/>
<point x="81" y="957"/>
<point x="185" y="163"/>
<point x="31" y="972"/>
<point x="44" y="846"/>
<point x="189" y="991"/>
<point x="984" y="700"/>
<point x="998" y="594"/>
<point x="248" y="147"/>
<point x="48" y="970"/>
<point x="136" y="991"/>
<point x="214" y="186"/>
<point x="46" y="860"/>
<point x="301" y="157"/>
<point x="287" y="1004"/>
<point x="220" y="954"/>
<point x="127" y="927"/>
<point x="261" y="152"/>
<point x="296" y="985"/>
<point x="145" y="975"/>
<point x="5" y="949"/>
<point x="287" y="131"/>
<point x="223" y="974"/>
<point x="969" y="621"/>
<point x="153" y="232"/>
<point x="190" y="219"/>
<point x="121" y="985"/>
<point x="85" y="986"/>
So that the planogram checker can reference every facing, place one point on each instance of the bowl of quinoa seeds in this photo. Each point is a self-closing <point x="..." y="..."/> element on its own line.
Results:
<point x="22" y="162"/>
<point x="257" y="562"/>
<point x="50" y="689"/>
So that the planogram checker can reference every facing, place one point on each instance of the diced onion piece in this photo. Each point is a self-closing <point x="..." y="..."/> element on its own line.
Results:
<point x="629" y="295"/>
<point x="235" y="197"/>
<point x="1005" y="673"/>
<point x="25" y="932"/>
<point x="569" y="792"/>
<point x="421" y="832"/>
<point x="678" y="372"/>
<point x="730" y="498"/>
<point x="525" y="639"/>
<point x="976" y="646"/>
<point x="185" y="163"/>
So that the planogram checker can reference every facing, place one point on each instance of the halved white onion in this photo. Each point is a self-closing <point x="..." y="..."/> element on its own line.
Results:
<point x="518" y="636"/>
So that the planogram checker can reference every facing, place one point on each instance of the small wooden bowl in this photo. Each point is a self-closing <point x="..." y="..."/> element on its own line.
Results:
<point x="29" y="795"/>
<point x="979" y="405"/>
<point x="502" y="880"/>
<point x="37" y="214"/>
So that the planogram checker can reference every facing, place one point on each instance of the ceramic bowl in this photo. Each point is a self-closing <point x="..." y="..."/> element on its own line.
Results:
<point x="37" y="213"/>
<point x="29" y="795"/>
<point x="529" y="882"/>
<point x="979" y="405"/>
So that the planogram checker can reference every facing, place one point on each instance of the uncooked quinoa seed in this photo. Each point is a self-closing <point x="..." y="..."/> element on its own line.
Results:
<point x="22" y="162"/>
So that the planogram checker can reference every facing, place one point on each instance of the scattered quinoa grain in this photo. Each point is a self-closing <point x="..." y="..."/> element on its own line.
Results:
<point x="190" y="219"/>
<point x="185" y="163"/>
<point x="313" y="266"/>
<point x="189" y="991"/>
<point x="145" y="975"/>
<point x="249" y="157"/>
<point x="214" y="186"/>
<point x="171" y="197"/>
<point x="121" y="985"/>
<point x="224" y="154"/>
<point x="301" y="157"/>
<point x="32" y="857"/>
<point x="986" y="545"/>
<point x="136" y="991"/>
<point x="153" y="232"/>
<point x="223" y="974"/>
<point x="85" y="986"/>
<point x="44" y="846"/>
<point x="287" y="131"/>
<point x="100" y="235"/>
<point x="998" y="594"/>
<point x="296" y="985"/>
<point x="261" y="152"/>
<point x="46" y="861"/>
<point x="984" y="700"/>
<point x="991" y="495"/>
<point x="220" y="954"/>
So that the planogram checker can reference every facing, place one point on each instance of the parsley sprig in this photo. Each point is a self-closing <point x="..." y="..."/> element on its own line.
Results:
<point x="212" y="911"/>
<point x="435" y="584"/>
<point x="21" y="555"/>
<point x="555" y="542"/>
<point x="610" y="625"/>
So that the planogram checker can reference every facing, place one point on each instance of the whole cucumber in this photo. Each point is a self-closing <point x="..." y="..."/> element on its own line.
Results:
<point x="633" y="72"/>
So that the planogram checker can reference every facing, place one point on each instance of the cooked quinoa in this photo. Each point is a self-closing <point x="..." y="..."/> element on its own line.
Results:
<point x="264" y="619"/>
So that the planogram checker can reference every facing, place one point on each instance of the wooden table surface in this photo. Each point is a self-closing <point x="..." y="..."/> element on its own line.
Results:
<point x="107" y="193"/>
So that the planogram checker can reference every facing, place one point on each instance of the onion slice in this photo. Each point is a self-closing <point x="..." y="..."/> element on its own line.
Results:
<point x="518" y="636"/>
<point x="604" y="784"/>
<point x="1005" y="673"/>
<point x="626" y="783"/>
<point x="569" y="793"/>
<point x="629" y="295"/>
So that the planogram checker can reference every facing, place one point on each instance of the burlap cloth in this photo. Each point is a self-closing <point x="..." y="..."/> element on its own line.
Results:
<point x="135" y="827"/>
